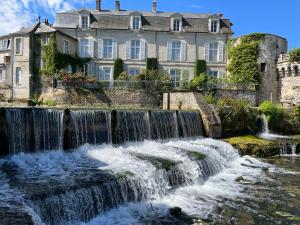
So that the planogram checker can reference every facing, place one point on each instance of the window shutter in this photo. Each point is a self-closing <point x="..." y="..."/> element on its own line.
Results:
<point x="220" y="74"/>
<point x="207" y="51"/>
<point x="143" y="50"/>
<point x="131" y="22"/>
<point x="183" y="51"/>
<point x="220" y="52"/>
<point x="115" y="49"/>
<point x="91" y="48"/>
<point x="169" y="46"/>
<point x="100" y="48"/>
<point x="128" y="49"/>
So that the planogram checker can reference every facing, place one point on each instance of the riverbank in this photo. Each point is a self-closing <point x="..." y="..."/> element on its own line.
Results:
<point x="260" y="147"/>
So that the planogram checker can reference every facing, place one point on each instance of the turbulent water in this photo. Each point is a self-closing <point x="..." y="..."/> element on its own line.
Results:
<point x="128" y="183"/>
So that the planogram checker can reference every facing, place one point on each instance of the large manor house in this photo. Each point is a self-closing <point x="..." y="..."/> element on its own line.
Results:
<point x="177" y="40"/>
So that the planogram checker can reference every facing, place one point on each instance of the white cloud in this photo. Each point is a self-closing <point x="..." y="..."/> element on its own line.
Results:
<point x="15" y="14"/>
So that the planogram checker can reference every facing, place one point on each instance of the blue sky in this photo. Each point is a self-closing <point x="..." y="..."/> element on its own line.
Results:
<point x="278" y="17"/>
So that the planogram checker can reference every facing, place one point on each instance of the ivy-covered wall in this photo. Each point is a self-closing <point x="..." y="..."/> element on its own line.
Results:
<point x="243" y="59"/>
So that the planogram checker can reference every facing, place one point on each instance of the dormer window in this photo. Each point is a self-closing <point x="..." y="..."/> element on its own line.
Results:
<point x="84" y="21"/>
<point x="177" y="24"/>
<point x="214" y="25"/>
<point x="136" y="23"/>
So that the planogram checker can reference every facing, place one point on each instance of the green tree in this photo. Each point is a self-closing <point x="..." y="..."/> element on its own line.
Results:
<point x="118" y="68"/>
<point x="295" y="55"/>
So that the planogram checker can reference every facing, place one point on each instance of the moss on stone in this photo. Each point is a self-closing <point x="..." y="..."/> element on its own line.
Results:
<point x="159" y="163"/>
<point x="196" y="155"/>
<point x="253" y="145"/>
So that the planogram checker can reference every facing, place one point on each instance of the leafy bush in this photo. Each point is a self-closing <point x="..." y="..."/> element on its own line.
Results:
<point x="238" y="117"/>
<point x="35" y="99"/>
<point x="209" y="98"/>
<point x="49" y="102"/>
<point x="200" y="67"/>
<point x="123" y="76"/>
<point x="138" y="77"/>
<point x="118" y="68"/>
<point x="272" y="111"/>
<point x="295" y="55"/>
<point x="199" y="82"/>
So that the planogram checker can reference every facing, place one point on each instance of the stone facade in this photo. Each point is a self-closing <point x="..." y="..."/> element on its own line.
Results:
<point x="271" y="47"/>
<point x="289" y="81"/>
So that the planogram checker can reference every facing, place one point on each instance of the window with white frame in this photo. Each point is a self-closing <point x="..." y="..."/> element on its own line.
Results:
<point x="177" y="25"/>
<point x="107" y="48"/>
<point x="214" y="52"/>
<point x="175" y="75"/>
<point x="213" y="73"/>
<point x="66" y="47"/>
<point x="214" y="26"/>
<point x="86" y="48"/>
<point x="106" y="73"/>
<point x="133" y="71"/>
<point x="18" y="76"/>
<point x="136" y="23"/>
<point x="84" y="21"/>
<point x="18" y="46"/>
<point x="135" y="49"/>
<point x="176" y="50"/>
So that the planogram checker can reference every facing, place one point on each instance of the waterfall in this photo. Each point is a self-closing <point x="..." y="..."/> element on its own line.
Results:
<point x="265" y="125"/>
<point x="163" y="125"/>
<point x="190" y="123"/>
<point x="132" y="126"/>
<point x="91" y="126"/>
<point x="32" y="130"/>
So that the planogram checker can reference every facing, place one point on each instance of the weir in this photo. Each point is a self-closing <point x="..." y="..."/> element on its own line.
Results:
<point x="26" y="130"/>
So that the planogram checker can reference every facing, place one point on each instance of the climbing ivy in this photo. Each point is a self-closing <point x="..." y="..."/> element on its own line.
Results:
<point x="243" y="59"/>
<point x="55" y="61"/>
<point x="200" y="67"/>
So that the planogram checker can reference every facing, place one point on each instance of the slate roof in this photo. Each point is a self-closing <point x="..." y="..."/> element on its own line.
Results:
<point x="160" y="21"/>
<point x="27" y="30"/>
<point x="43" y="28"/>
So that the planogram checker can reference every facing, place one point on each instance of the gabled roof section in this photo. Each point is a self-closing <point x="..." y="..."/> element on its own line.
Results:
<point x="135" y="13"/>
<point x="43" y="28"/>
<point x="27" y="30"/>
<point x="84" y="11"/>
<point x="176" y="15"/>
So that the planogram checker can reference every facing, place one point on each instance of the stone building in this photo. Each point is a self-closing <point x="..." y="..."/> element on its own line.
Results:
<point x="270" y="48"/>
<point x="289" y="81"/>
<point x="177" y="40"/>
<point x="20" y="51"/>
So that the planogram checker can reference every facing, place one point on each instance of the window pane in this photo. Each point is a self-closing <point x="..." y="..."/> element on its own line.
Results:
<point x="135" y="49"/>
<point x="84" y="22"/>
<point x="176" y="49"/>
<point x="107" y="48"/>
<point x="213" y="52"/>
<point x="18" y="76"/>
<point x="133" y="71"/>
<point x="106" y="73"/>
<point x="176" y="25"/>
<point x="136" y="23"/>
<point x="18" y="45"/>
<point x="214" y="26"/>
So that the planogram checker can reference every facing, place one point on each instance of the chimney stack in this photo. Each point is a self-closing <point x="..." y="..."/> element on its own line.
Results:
<point x="98" y="5"/>
<point x="118" y="5"/>
<point x="154" y="6"/>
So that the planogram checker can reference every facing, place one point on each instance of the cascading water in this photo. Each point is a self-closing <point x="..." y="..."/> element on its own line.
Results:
<point x="106" y="184"/>
<point x="34" y="130"/>
<point x="132" y="126"/>
<point x="163" y="125"/>
<point x="91" y="126"/>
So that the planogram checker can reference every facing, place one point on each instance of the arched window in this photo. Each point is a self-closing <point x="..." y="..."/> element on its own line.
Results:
<point x="283" y="71"/>
<point x="296" y="70"/>
<point x="289" y="72"/>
